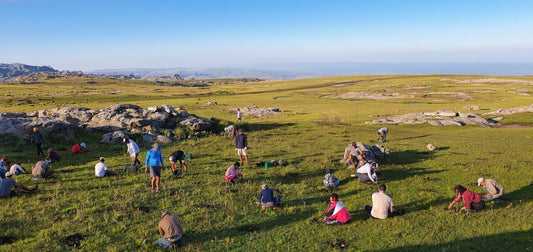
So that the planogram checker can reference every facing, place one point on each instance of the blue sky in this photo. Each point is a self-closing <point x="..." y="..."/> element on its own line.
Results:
<point x="95" y="34"/>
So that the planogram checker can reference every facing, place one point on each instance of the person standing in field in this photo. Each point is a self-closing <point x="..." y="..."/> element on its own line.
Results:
<point x="154" y="161"/>
<point x="493" y="189"/>
<point x="239" y="115"/>
<point x="382" y="134"/>
<point x="178" y="156"/>
<point x="337" y="213"/>
<point x="170" y="230"/>
<point x="381" y="204"/>
<point x="37" y="138"/>
<point x="133" y="150"/>
<point x="473" y="201"/>
<point x="241" y="146"/>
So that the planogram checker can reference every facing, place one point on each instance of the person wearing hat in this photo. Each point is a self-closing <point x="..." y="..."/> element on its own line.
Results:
<point x="473" y="201"/>
<point x="78" y="148"/>
<point x="41" y="170"/>
<point x="38" y="139"/>
<point x="232" y="172"/>
<point x="101" y="170"/>
<point x="8" y="183"/>
<point x="154" y="160"/>
<point x="133" y="150"/>
<point x="178" y="156"/>
<point x="382" y="206"/>
<point x="337" y="213"/>
<point x="493" y="189"/>
<point x="170" y="230"/>
<point x="330" y="180"/>
<point x="367" y="172"/>
<point x="267" y="199"/>
<point x="382" y="134"/>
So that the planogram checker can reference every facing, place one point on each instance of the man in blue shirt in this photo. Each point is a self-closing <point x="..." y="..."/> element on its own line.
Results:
<point x="241" y="146"/>
<point x="8" y="183"/>
<point x="153" y="159"/>
<point x="266" y="198"/>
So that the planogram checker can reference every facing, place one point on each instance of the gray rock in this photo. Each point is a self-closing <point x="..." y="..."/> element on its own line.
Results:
<point x="163" y="139"/>
<point x="114" y="137"/>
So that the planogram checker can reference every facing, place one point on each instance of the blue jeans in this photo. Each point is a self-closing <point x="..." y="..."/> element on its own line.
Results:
<point x="162" y="242"/>
<point x="492" y="197"/>
<point x="334" y="184"/>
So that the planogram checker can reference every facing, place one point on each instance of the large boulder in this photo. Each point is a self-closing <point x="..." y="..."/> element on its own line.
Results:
<point x="114" y="137"/>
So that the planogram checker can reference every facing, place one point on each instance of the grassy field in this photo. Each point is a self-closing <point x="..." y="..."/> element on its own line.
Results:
<point x="120" y="214"/>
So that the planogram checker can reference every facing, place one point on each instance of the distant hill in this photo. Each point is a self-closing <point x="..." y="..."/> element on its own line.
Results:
<point x="203" y="73"/>
<point x="9" y="71"/>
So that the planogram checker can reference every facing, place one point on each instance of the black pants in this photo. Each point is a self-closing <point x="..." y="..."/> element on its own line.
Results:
<point x="368" y="210"/>
<point x="478" y="206"/>
<point x="39" y="150"/>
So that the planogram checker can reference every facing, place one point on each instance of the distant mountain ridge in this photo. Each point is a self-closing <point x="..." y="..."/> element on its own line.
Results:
<point x="9" y="71"/>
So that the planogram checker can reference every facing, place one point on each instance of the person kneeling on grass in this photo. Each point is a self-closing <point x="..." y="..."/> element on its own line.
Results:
<point x="267" y="200"/>
<point x="493" y="189"/>
<point x="473" y="201"/>
<point x="101" y="170"/>
<point x="16" y="169"/>
<point x="381" y="204"/>
<point x="337" y="213"/>
<point x="367" y="173"/>
<point x="7" y="183"/>
<point x="178" y="156"/>
<point x="232" y="172"/>
<point x="330" y="180"/>
<point x="41" y="170"/>
<point x="170" y="230"/>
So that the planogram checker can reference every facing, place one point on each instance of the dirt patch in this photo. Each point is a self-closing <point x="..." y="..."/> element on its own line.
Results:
<point x="462" y="96"/>
<point x="365" y="95"/>
<point x="73" y="240"/>
<point x="7" y="239"/>
<point x="337" y="244"/>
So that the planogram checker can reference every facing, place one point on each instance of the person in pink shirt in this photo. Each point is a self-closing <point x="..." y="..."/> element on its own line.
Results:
<point x="232" y="172"/>
<point x="337" y="213"/>
<point x="473" y="201"/>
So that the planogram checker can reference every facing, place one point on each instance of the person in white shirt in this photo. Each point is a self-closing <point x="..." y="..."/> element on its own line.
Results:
<point x="101" y="170"/>
<point x="381" y="204"/>
<point x="16" y="169"/>
<point x="367" y="172"/>
<point x="133" y="150"/>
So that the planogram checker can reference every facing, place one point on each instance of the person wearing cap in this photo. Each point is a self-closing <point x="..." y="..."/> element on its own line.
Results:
<point x="37" y="138"/>
<point x="154" y="160"/>
<point x="133" y="150"/>
<point x="473" y="201"/>
<point x="53" y="155"/>
<point x="492" y="188"/>
<point x="337" y="213"/>
<point x="8" y="183"/>
<point x="101" y="170"/>
<point x="41" y="170"/>
<point x="241" y="146"/>
<point x="178" y="156"/>
<point x="382" y="134"/>
<point x="233" y="173"/>
<point x="382" y="206"/>
<point x="267" y="199"/>
<point x="16" y="169"/>
<point x="330" y="180"/>
<point x="78" y="148"/>
<point x="367" y="172"/>
<point x="230" y="131"/>
<point x="170" y="230"/>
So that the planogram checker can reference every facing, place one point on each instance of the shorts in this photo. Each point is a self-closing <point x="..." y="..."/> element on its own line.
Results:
<point x="242" y="152"/>
<point x="155" y="171"/>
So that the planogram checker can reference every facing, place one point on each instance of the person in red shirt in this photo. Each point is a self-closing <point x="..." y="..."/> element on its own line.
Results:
<point x="337" y="213"/>
<point x="78" y="148"/>
<point x="473" y="201"/>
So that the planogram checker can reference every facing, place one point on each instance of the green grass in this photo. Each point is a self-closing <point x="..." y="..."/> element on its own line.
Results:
<point x="310" y="131"/>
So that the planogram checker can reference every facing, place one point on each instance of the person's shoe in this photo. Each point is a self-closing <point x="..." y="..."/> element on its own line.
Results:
<point x="263" y="207"/>
<point x="153" y="190"/>
<point x="275" y="208"/>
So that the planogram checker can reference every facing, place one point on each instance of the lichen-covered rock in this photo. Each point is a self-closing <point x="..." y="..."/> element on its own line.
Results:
<point x="114" y="137"/>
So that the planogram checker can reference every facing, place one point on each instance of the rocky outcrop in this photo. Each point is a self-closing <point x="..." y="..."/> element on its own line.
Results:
<point x="256" y="111"/>
<point x="117" y="119"/>
<point x="438" y="118"/>
<point x="511" y="111"/>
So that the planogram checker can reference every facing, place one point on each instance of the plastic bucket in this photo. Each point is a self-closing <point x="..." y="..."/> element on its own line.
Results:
<point x="188" y="155"/>
<point x="268" y="164"/>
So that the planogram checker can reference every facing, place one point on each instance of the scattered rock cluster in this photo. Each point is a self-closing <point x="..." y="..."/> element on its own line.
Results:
<point x="256" y="111"/>
<point x="117" y="120"/>
<point x="438" y="118"/>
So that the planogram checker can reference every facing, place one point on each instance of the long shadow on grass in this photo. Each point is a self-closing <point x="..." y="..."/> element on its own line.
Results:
<point x="510" y="241"/>
<point x="411" y="156"/>
<point x="262" y="126"/>
<point x="241" y="230"/>
<point x="399" y="174"/>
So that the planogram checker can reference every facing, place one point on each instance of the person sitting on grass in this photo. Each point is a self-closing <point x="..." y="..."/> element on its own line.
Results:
<point x="178" y="156"/>
<point x="8" y="183"/>
<point x="353" y="156"/>
<point x="381" y="204"/>
<point x="367" y="173"/>
<point x="41" y="170"/>
<point x="78" y="148"/>
<point x="53" y="155"/>
<point x="170" y="230"/>
<point x="330" y="180"/>
<point x="3" y="169"/>
<point x="473" y="201"/>
<point x="232" y="173"/>
<point x="16" y="169"/>
<point x="101" y="170"/>
<point x="337" y="213"/>
<point x="493" y="189"/>
<point x="267" y="199"/>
